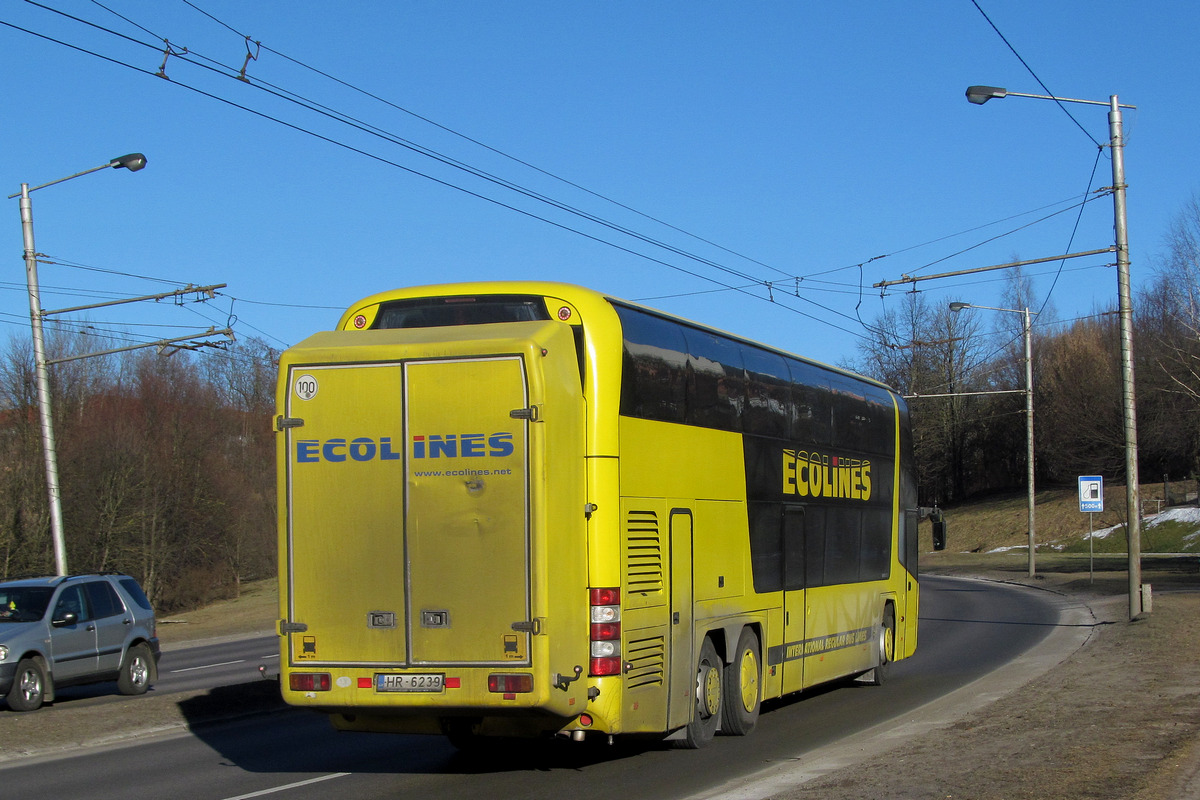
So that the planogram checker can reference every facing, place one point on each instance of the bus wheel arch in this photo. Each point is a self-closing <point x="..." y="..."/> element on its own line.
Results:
<point x="743" y="685"/>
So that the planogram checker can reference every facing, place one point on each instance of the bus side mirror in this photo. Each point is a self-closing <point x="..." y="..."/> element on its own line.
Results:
<point x="939" y="534"/>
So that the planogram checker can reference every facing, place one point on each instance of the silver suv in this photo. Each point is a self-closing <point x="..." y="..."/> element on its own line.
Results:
<point x="63" y="631"/>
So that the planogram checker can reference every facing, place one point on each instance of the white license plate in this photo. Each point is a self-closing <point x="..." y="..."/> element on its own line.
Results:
<point x="409" y="683"/>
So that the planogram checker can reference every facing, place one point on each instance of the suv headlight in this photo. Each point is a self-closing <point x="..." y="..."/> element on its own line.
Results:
<point x="3" y="653"/>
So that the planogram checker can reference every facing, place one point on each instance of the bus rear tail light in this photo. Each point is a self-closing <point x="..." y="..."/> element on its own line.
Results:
<point x="309" y="681"/>
<point x="510" y="684"/>
<point x="605" y="632"/>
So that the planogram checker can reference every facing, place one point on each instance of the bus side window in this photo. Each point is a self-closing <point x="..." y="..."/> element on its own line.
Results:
<point x="654" y="377"/>
<point x="769" y="408"/>
<point x="716" y="391"/>
<point x="766" y="547"/>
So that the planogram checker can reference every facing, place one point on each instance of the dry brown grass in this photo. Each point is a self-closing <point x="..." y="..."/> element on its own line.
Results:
<point x="254" y="611"/>
<point x="986" y="525"/>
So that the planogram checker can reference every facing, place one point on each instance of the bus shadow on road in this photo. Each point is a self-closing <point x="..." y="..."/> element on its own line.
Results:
<point x="251" y="728"/>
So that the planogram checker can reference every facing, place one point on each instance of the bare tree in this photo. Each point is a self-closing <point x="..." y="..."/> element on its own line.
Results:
<point x="166" y="463"/>
<point x="928" y="354"/>
<point x="1168" y="329"/>
<point x="1079" y="402"/>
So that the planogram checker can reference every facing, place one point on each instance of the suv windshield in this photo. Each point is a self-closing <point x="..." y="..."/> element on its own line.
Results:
<point x="24" y="603"/>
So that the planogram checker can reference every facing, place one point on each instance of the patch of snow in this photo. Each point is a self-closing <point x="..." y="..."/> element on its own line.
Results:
<point x="1104" y="533"/>
<point x="1187" y="515"/>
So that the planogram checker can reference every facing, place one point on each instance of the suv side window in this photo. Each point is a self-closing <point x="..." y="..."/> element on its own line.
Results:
<point x="71" y="601"/>
<point x="104" y="599"/>
<point x="135" y="591"/>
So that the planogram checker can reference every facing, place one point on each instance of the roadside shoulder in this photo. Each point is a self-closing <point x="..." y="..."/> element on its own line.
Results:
<point x="1122" y="713"/>
<point x="827" y="766"/>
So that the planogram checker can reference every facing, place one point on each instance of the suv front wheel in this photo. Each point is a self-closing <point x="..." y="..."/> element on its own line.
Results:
<point x="29" y="686"/>
<point x="137" y="672"/>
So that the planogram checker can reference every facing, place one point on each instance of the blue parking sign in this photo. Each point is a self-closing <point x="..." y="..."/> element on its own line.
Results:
<point x="1091" y="493"/>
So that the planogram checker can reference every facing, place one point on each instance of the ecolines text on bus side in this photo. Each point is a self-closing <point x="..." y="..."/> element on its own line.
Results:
<point x="813" y="474"/>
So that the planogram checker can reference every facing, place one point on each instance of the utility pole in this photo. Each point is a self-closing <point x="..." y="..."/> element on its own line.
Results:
<point x="132" y="162"/>
<point x="1125" y="304"/>
<point x="980" y="95"/>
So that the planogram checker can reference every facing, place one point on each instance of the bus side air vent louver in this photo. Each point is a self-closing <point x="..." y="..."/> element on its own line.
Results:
<point x="646" y="660"/>
<point x="643" y="553"/>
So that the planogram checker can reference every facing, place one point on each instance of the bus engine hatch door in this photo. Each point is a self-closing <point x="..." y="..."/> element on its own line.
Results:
<point x="345" y="538"/>
<point x="467" y="511"/>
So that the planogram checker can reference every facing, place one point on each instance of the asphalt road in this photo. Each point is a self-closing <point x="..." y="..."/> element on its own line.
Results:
<point x="968" y="629"/>
<point x="192" y="668"/>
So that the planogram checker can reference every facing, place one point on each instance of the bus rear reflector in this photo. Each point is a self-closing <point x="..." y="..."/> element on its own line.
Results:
<point x="309" y="681"/>
<point x="510" y="684"/>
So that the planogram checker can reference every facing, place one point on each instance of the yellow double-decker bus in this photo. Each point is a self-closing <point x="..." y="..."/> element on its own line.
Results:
<point x="519" y="509"/>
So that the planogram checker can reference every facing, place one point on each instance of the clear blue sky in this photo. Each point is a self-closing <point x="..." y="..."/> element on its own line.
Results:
<point x="793" y="139"/>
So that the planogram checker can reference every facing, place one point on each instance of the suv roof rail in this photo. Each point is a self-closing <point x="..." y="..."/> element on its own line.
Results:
<point x="58" y="579"/>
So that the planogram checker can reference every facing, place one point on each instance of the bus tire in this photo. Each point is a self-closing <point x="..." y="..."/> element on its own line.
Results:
<point x="886" y="644"/>
<point x="706" y="716"/>
<point x="743" y="687"/>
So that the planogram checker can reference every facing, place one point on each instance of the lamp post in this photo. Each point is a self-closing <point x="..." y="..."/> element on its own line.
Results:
<point x="980" y="95"/>
<point x="132" y="162"/>
<point x="1028" y="416"/>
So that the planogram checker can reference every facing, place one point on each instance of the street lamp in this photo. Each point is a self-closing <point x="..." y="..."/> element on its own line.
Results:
<point x="132" y="162"/>
<point x="980" y="95"/>
<point x="956" y="306"/>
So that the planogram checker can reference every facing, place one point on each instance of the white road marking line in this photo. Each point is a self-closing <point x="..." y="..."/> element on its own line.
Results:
<point x="296" y="785"/>
<point x="209" y="666"/>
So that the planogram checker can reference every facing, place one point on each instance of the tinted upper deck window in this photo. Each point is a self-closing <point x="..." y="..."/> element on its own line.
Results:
<point x="654" y="377"/>
<point x="440" y="312"/>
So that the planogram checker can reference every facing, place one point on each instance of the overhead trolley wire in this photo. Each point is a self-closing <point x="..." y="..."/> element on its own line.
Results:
<point x="350" y="121"/>
<point x="1029" y="69"/>
<point x="484" y="145"/>
<point x="448" y="184"/>
<point x="770" y="287"/>
<point x="770" y="284"/>
<point x="365" y="127"/>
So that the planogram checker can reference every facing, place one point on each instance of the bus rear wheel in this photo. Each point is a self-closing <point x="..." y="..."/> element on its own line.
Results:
<point x="743" y="691"/>
<point x="706" y="716"/>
